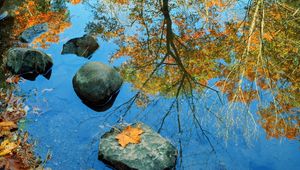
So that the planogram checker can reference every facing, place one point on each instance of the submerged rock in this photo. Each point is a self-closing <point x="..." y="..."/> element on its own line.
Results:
<point x="84" y="46"/>
<point x="31" y="33"/>
<point x="153" y="153"/>
<point x="29" y="63"/>
<point x="97" y="85"/>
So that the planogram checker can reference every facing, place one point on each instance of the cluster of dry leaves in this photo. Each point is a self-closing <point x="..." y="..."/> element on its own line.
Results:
<point x="15" y="151"/>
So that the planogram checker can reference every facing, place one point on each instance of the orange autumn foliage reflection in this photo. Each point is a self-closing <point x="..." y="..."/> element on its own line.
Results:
<point x="217" y="3"/>
<point x="284" y="122"/>
<point x="272" y="65"/>
<point x="30" y="14"/>
<point x="74" y="2"/>
<point x="245" y="58"/>
<point x="122" y="2"/>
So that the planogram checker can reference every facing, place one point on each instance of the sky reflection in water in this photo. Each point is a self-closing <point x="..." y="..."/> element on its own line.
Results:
<point x="233" y="137"/>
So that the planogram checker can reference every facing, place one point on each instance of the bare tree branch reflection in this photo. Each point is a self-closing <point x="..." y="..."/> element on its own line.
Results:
<point x="214" y="67"/>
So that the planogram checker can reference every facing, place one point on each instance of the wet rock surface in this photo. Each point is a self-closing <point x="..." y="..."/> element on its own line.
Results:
<point x="84" y="46"/>
<point x="3" y="15"/>
<point x="31" y="33"/>
<point x="97" y="85"/>
<point x="29" y="63"/>
<point x="102" y="107"/>
<point x="153" y="153"/>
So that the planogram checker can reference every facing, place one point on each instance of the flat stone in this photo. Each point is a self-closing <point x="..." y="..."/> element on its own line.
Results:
<point x="28" y="63"/>
<point x="97" y="84"/>
<point x="31" y="33"/>
<point x="84" y="46"/>
<point x="153" y="153"/>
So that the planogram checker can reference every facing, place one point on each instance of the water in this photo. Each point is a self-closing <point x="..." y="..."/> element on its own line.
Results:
<point x="62" y="125"/>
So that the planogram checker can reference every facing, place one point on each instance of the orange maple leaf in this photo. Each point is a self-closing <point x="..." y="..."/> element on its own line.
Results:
<point x="129" y="135"/>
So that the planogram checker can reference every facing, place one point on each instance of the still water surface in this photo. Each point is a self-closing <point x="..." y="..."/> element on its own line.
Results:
<point x="212" y="128"/>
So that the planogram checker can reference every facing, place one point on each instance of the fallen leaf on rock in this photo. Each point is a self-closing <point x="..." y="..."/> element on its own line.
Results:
<point x="129" y="135"/>
<point x="7" y="147"/>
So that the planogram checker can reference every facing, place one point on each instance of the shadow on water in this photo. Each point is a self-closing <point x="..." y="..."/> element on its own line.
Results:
<point x="220" y="80"/>
<point x="33" y="76"/>
<point x="107" y="104"/>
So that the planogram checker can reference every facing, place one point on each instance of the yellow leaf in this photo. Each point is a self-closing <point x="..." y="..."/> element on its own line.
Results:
<point x="129" y="135"/>
<point x="7" y="125"/>
<point x="6" y="147"/>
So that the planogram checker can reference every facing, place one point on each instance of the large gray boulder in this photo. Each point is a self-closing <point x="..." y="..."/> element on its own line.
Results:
<point x="29" y="63"/>
<point x="97" y="85"/>
<point x="31" y="33"/>
<point x="153" y="153"/>
<point x="83" y="46"/>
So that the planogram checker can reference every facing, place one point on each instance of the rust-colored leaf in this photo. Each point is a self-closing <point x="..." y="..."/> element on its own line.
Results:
<point x="129" y="135"/>
<point x="13" y="79"/>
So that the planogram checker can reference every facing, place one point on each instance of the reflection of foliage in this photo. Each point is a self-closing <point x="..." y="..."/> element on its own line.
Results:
<point x="176" y="53"/>
<point x="104" y="24"/>
<point x="283" y="122"/>
<point x="75" y="2"/>
<point x="293" y="3"/>
<point x="6" y="41"/>
<point x="142" y="100"/>
<point x="33" y="12"/>
<point x="271" y="61"/>
<point x="167" y="58"/>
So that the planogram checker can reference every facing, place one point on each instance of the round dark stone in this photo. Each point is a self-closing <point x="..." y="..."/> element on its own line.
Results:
<point x="96" y="83"/>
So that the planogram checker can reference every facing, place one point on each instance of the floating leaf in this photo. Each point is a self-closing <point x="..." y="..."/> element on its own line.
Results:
<point x="129" y="135"/>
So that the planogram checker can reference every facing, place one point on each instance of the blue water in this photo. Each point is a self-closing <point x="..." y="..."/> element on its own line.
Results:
<point x="71" y="131"/>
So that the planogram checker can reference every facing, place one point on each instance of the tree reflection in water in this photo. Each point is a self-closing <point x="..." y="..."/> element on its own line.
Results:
<point x="214" y="71"/>
<point x="247" y="67"/>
